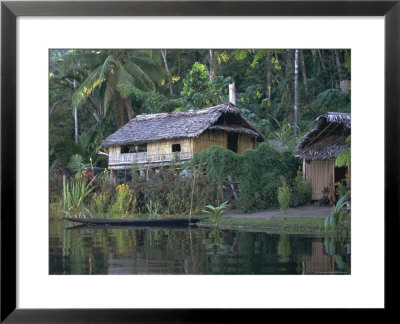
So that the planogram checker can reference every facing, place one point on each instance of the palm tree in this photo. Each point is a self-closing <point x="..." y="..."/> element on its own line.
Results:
<point x="296" y="93"/>
<point x="113" y="74"/>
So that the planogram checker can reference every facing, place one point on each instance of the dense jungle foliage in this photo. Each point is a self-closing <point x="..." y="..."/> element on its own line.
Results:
<point x="94" y="92"/>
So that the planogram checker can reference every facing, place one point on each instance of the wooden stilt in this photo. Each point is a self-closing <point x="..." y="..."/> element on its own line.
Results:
<point x="233" y="188"/>
<point x="113" y="177"/>
<point x="191" y="199"/>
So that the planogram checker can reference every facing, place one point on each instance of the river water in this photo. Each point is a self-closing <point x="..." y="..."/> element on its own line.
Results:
<point x="128" y="250"/>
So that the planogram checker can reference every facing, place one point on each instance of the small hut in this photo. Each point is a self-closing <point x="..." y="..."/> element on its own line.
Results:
<point x="155" y="140"/>
<point x="319" y="149"/>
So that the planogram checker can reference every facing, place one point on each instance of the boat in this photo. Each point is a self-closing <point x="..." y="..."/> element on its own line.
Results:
<point x="162" y="222"/>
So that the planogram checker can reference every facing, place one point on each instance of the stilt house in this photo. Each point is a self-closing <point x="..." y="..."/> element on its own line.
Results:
<point x="155" y="140"/>
<point x="319" y="149"/>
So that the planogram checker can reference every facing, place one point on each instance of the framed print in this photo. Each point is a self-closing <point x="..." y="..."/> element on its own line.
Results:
<point x="327" y="55"/>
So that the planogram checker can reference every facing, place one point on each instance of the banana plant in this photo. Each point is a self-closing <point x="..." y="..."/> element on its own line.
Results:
<point x="216" y="212"/>
<point x="337" y="218"/>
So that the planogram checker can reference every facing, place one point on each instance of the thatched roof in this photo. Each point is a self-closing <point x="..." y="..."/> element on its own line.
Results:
<point x="327" y="139"/>
<point x="189" y="124"/>
<point x="276" y="144"/>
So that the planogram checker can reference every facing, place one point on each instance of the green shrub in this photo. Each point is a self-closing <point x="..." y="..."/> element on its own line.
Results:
<point x="284" y="195"/>
<point x="260" y="173"/>
<point x="218" y="163"/>
<point x="170" y="189"/>
<point x="333" y="100"/>
<point x="125" y="201"/>
<point x="100" y="202"/>
<point x="302" y="191"/>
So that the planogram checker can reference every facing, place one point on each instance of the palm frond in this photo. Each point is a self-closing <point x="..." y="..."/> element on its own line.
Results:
<point x="87" y="87"/>
<point x="108" y="94"/>
<point x="75" y="60"/>
<point x="150" y="67"/>
<point x="107" y="64"/>
<point x="138" y="77"/>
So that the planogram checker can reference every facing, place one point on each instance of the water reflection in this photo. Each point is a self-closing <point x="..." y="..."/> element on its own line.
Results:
<point x="127" y="250"/>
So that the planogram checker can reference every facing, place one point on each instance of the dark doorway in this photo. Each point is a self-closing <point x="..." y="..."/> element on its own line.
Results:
<point x="340" y="173"/>
<point x="233" y="142"/>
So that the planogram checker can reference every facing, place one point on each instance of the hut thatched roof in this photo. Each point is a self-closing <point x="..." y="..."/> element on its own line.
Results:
<point x="327" y="139"/>
<point x="189" y="124"/>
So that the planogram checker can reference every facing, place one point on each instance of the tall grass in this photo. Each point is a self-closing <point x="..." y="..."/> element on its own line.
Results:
<point x="75" y="192"/>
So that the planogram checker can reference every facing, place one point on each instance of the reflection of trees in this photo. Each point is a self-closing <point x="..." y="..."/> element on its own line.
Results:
<point x="340" y="251"/>
<point x="194" y="251"/>
<point x="284" y="249"/>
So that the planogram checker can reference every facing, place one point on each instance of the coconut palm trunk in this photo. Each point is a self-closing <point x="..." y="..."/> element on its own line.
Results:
<point x="164" y="56"/>
<point x="303" y="72"/>
<point x="338" y="64"/>
<point x="296" y="93"/>
<point x="75" y="116"/>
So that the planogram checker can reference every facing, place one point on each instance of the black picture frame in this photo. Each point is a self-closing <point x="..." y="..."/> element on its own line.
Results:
<point x="10" y="10"/>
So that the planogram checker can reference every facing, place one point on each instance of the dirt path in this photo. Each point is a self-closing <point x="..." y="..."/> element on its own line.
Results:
<point x="308" y="211"/>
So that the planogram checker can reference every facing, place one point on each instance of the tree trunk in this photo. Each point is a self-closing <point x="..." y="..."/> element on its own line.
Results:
<point x="96" y="111"/>
<point x="164" y="55"/>
<point x="303" y="71"/>
<point x="269" y="76"/>
<point x="120" y="111"/>
<point x="289" y="62"/>
<point x="211" y="72"/>
<point x="129" y="109"/>
<point x="296" y="93"/>
<point x="75" y="114"/>
<point x="321" y="59"/>
<point x="338" y="64"/>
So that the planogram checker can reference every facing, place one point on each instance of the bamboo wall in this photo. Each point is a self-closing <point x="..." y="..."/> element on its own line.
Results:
<point x="165" y="147"/>
<point x="321" y="174"/>
<point x="245" y="142"/>
<point x="208" y="139"/>
<point x="114" y="152"/>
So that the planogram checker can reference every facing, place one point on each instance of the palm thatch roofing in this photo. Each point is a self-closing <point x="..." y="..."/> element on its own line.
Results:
<point x="189" y="124"/>
<point x="327" y="139"/>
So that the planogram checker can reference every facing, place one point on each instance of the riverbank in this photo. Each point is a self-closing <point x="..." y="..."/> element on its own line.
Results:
<point x="301" y="219"/>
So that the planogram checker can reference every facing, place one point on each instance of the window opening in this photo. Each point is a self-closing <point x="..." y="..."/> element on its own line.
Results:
<point x="176" y="148"/>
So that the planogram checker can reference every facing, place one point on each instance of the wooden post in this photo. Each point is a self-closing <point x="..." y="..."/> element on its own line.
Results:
<point x="191" y="199"/>
<point x="113" y="177"/>
<point x="64" y="191"/>
<point x="333" y="179"/>
<point x="221" y="192"/>
<point x="233" y="188"/>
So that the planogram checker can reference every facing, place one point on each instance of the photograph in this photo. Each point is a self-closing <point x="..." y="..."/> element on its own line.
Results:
<point x="199" y="161"/>
<point x="194" y="160"/>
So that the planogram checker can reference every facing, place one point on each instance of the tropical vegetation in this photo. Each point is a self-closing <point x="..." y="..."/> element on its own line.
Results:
<point x="93" y="92"/>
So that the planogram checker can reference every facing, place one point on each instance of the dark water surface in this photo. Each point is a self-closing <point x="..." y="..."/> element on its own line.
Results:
<point x="127" y="250"/>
